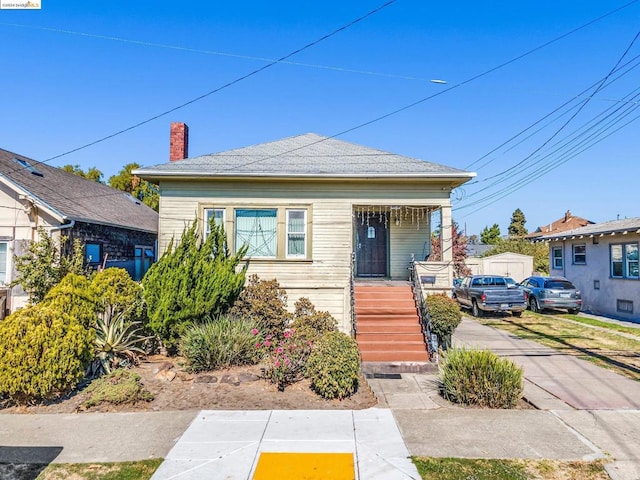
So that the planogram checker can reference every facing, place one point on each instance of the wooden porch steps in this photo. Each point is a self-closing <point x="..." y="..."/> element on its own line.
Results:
<point x="387" y="325"/>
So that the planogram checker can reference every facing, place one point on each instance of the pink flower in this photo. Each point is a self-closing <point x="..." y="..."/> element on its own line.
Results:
<point x="258" y="345"/>
<point x="267" y="343"/>
<point x="254" y="332"/>
<point x="277" y="363"/>
<point x="287" y="362"/>
<point x="287" y="333"/>
<point x="279" y="350"/>
<point x="269" y="337"/>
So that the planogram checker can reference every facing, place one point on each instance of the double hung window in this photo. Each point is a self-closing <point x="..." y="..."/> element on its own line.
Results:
<point x="271" y="232"/>
<point x="624" y="260"/>
<point x="556" y="257"/>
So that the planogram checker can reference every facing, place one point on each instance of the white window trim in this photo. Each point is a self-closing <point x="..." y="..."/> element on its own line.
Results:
<point x="5" y="280"/>
<point x="304" y="233"/>
<point x="573" y="252"/>
<point x="208" y="213"/>
<point x="625" y="260"/>
<point x="554" y="258"/>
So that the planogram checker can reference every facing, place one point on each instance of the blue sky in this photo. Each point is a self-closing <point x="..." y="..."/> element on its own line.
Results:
<point x="62" y="90"/>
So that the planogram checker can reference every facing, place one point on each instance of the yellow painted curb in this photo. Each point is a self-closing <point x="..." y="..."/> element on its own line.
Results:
<point x="305" y="466"/>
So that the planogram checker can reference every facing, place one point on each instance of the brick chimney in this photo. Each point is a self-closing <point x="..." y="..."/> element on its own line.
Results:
<point x="567" y="216"/>
<point x="179" y="141"/>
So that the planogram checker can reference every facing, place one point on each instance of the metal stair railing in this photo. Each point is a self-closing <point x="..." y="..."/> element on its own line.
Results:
<point x="430" y="338"/>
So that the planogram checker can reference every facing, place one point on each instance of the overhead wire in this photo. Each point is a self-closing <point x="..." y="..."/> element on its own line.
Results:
<point x="577" y="106"/>
<point x="554" y="162"/>
<point x="228" y="84"/>
<point x="216" y="53"/>
<point x="448" y="89"/>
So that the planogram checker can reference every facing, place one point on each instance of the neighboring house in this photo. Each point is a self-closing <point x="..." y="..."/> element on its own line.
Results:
<point x="305" y="204"/>
<point x="514" y="265"/>
<point x="568" y="222"/>
<point x="602" y="261"/>
<point x="115" y="228"/>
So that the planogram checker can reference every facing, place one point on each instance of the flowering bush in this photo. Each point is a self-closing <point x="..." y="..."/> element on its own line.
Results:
<point x="285" y="359"/>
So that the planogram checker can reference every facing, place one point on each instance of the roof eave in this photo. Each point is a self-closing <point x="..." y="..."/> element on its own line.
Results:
<point x="20" y="190"/>
<point x="168" y="175"/>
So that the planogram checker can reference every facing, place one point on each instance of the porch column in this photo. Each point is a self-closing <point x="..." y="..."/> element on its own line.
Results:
<point x="445" y="233"/>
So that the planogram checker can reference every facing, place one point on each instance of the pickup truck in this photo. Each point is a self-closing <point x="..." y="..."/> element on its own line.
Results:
<point x="489" y="293"/>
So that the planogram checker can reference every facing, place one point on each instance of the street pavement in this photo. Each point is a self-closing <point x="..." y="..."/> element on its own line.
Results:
<point x="582" y="412"/>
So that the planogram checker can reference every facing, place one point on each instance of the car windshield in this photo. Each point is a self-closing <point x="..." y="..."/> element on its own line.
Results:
<point x="559" y="285"/>
<point x="509" y="280"/>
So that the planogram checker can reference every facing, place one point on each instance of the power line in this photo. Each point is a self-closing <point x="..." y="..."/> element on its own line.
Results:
<point x="578" y="106"/>
<point x="453" y="87"/>
<point x="216" y="53"/>
<point x="228" y="84"/>
<point x="551" y="165"/>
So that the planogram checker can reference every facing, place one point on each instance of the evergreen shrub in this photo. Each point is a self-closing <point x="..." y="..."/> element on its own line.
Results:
<point x="192" y="282"/>
<point x="311" y="324"/>
<point x="73" y="296"/>
<point x="264" y="302"/>
<point x="333" y="367"/>
<point x="117" y="293"/>
<point x="220" y="342"/>
<point x="43" y="353"/>
<point x="445" y="316"/>
<point x="480" y="378"/>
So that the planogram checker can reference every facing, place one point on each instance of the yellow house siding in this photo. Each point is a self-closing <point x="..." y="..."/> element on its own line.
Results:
<point x="324" y="277"/>
<point x="407" y="239"/>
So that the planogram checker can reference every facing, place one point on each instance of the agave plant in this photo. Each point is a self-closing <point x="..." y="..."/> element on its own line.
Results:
<point x="117" y="341"/>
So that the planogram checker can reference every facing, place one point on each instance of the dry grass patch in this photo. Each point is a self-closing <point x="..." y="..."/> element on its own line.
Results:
<point x="142" y="470"/>
<point x="605" y="349"/>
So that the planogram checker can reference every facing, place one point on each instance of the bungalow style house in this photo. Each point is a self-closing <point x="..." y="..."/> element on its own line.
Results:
<point x="315" y="212"/>
<point x="115" y="228"/>
<point x="601" y="259"/>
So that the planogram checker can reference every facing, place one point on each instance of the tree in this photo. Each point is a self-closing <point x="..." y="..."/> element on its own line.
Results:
<point x="144" y="191"/>
<point x="490" y="236"/>
<point x="92" y="174"/>
<point x="459" y="242"/>
<point x="539" y="251"/>
<point x="516" y="227"/>
<point x="192" y="282"/>
<point x="45" y="263"/>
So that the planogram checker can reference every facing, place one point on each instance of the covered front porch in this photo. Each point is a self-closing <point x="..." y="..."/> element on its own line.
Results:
<point x="391" y="240"/>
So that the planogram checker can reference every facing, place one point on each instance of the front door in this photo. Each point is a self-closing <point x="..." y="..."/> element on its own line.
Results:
<point x="371" y="247"/>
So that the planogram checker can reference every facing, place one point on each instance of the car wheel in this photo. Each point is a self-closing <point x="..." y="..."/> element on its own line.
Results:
<point x="534" y="306"/>
<point x="574" y="311"/>
<point x="516" y="314"/>
<point x="475" y="311"/>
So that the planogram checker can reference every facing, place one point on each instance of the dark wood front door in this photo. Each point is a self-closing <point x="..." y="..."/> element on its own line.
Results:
<point x="371" y="247"/>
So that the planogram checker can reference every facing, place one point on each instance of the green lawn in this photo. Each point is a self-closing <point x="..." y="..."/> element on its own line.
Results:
<point x="488" y="469"/>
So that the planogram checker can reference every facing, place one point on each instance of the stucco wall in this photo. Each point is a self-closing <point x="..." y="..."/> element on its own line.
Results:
<point x="602" y="301"/>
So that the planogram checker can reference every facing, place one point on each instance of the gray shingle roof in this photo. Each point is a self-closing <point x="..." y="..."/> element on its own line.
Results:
<point x="612" y="226"/>
<point x="308" y="155"/>
<point x="76" y="198"/>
